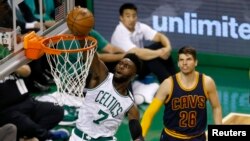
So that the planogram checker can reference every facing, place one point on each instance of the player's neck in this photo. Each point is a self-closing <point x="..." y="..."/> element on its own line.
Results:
<point x="188" y="80"/>
<point x="121" y="88"/>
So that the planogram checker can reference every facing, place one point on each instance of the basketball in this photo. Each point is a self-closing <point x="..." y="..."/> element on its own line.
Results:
<point x="80" y="21"/>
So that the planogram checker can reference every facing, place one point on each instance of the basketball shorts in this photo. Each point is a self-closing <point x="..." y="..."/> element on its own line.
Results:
<point x="166" y="137"/>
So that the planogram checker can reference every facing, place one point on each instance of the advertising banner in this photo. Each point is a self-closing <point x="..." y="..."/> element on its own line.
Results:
<point x="212" y="26"/>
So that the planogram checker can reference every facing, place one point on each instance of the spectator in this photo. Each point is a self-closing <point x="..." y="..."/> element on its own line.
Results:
<point x="129" y="35"/>
<point x="6" y="19"/>
<point x="32" y="10"/>
<point x="37" y="81"/>
<point x="31" y="117"/>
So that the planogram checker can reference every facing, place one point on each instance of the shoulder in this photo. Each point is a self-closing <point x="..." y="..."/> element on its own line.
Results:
<point x="208" y="83"/>
<point x="207" y="79"/>
<point x="120" y="30"/>
<point x="120" y="27"/>
<point x="167" y="84"/>
<point x="168" y="80"/>
<point x="94" y="33"/>
<point x="143" y="26"/>
<point x="166" y="88"/>
<point x="148" y="31"/>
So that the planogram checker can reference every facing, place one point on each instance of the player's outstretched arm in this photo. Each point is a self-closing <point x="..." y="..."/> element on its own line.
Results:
<point x="149" y="115"/>
<point x="160" y="97"/>
<point x="97" y="72"/>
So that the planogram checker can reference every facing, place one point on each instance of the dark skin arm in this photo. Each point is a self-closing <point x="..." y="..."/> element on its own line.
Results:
<point x="133" y="113"/>
<point x="97" y="72"/>
<point x="134" y="124"/>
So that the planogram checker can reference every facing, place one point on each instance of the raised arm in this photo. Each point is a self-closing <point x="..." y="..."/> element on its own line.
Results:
<point x="97" y="72"/>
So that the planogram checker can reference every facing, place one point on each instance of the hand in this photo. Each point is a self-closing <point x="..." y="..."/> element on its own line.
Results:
<point x="139" y="139"/>
<point x="23" y="71"/>
<point x="165" y="53"/>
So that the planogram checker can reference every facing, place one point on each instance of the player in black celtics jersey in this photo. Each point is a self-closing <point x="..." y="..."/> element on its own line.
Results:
<point x="184" y="96"/>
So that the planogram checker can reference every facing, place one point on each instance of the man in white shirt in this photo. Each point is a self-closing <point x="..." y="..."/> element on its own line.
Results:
<point x="130" y="35"/>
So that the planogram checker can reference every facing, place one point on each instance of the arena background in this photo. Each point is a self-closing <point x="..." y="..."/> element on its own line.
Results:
<point x="218" y="29"/>
<point x="223" y="49"/>
<point x="107" y="17"/>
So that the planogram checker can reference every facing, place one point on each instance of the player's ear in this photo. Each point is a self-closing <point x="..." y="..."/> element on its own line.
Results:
<point x="196" y="62"/>
<point x="120" y="17"/>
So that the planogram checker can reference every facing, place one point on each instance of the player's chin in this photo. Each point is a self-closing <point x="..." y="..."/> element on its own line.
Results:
<point x="186" y="71"/>
<point x="117" y="75"/>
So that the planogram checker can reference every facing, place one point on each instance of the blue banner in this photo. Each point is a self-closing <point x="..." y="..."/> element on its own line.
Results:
<point x="213" y="26"/>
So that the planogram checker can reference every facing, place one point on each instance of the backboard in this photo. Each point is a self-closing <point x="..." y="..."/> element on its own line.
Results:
<point x="12" y="53"/>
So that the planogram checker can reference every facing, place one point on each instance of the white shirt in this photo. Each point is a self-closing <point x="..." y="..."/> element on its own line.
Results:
<point x="126" y="40"/>
<point x="103" y="110"/>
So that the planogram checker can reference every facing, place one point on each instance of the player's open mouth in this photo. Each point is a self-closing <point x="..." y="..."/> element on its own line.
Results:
<point x="117" y="73"/>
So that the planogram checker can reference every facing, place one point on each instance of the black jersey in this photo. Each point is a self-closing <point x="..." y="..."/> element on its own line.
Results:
<point x="186" y="111"/>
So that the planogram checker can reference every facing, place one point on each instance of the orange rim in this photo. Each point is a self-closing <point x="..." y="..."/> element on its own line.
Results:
<point x="64" y="37"/>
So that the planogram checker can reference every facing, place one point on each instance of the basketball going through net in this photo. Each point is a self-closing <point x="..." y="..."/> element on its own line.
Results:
<point x="69" y="58"/>
<point x="69" y="55"/>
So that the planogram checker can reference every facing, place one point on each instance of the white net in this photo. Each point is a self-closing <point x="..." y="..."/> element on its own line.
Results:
<point x="70" y="69"/>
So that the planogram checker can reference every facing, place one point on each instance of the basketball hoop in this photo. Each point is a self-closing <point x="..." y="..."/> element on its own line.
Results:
<point x="69" y="58"/>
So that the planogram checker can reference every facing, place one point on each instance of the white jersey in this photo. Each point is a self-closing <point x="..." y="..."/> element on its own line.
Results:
<point x="103" y="110"/>
<point x="126" y="40"/>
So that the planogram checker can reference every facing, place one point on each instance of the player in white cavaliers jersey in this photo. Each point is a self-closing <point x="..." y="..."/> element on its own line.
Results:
<point x="108" y="101"/>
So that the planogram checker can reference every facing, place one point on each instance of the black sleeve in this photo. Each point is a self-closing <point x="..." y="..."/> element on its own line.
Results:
<point x="135" y="129"/>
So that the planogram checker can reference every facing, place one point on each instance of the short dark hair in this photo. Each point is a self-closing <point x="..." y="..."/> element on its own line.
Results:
<point x="136" y="60"/>
<point x="188" y="50"/>
<point x="127" y="6"/>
